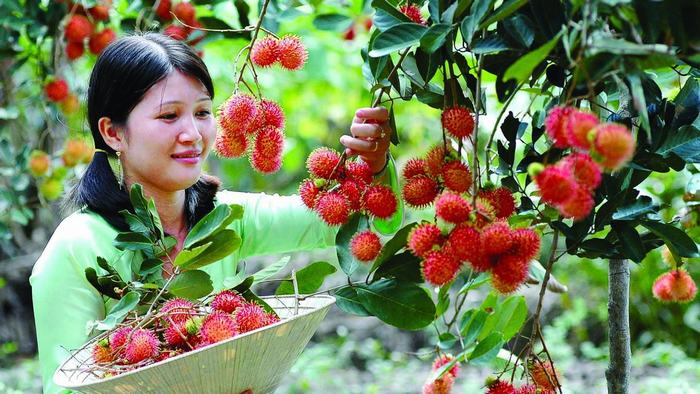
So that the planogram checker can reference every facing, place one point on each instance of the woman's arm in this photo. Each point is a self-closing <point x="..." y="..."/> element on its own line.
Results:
<point x="63" y="299"/>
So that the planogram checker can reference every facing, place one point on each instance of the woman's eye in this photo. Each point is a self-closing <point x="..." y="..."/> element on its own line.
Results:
<point x="203" y="114"/>
<point x="167" y="116"/>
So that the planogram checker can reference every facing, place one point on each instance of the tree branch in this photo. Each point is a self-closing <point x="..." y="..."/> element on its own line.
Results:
<point x="619" y="369"/>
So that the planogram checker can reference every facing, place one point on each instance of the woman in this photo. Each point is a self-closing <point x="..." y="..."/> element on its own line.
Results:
<point x="150" y="105"/>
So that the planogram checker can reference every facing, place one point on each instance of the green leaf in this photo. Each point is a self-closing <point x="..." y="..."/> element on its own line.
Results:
<point x="435" y="37"/>
<point x="185" y="256"/>
<point x="404" y="267"/>
<point x="488" y="45"/>
<point x="149" y="266"/>
<point x="132" y="241"/>
<point x="390" y="9"/>
<point x="155" y="219"/>
<point x="506" y="9"/>
<point x="213" y="222"/>
<point x="447" y="340"/>
<point x="630" y="241"/>
<point x="396" y="243"/>
<point x="383" y="20"/>
<point x="135" y="224"/>
<point x="475" y="283"/>
<point x="522" y="69"/>
<point x="397" y="37"/>
<point x="487" y="349"/>
<point x="638" y="209"/>
<point x="685" y="142"/>
<point x="355" y="224"/>
<point x="510" y="316"/>
<point x="117" y="314"/>
<point x="348" y="301"/>
<point x="244" y="286"/>
<point x="403" y="305"/>
<point x="271" y="269"/>
<point x="221" y="245"/>
<point x="309" y="279"/>
<point x="91" y="276"/>
<point x="443" y="301"/>
<point x="332" y="22"/>
<point x="640" y="102"/>
<point x="472" y="322"/>
<point x="469" y="24"/>
<point x="677" y="240"/>
<point x="191" y="285"/>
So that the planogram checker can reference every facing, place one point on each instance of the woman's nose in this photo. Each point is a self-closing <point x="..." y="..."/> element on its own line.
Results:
<point x="190" y="132"/>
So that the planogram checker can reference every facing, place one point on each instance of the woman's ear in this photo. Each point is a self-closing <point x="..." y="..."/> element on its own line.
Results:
<point x="110" y="133"/>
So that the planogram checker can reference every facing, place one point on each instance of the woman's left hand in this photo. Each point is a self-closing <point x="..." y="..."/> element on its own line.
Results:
<point x="370" y="137"/>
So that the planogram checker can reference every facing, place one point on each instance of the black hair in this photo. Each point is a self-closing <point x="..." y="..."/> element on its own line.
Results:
<point x="122" y="75"/>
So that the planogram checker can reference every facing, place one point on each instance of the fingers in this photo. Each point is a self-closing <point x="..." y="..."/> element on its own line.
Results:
<point x="367" y="130"/>
<point x="378" y="114"/>
<point x="360" y="146"/>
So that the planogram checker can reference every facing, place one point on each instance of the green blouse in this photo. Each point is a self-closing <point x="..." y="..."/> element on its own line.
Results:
<point x="64" y="301"/>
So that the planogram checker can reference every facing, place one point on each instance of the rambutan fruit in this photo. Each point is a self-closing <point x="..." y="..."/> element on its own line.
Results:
<point x="56" y="90"/>
<point x="250" y="317"/>
<point x="178" y="335"/>
<point x="269" y="142"/>
<point x="420" y="191"/>
<point x="578" y="125"/>
<point x="271" y="113"/>
<point x="78" y="28"/>
<point x="218" y="326"/>
<point x="465" y="244"/>
<point x="424" y="238"/>
<point x="177" y="32"/>
<point x="163" y="10"/>
<point x="614" y="145"/>
<point x="434" y="161"/>
<point x="265" y="51"/>
<point x="292" y="53"/>
<point x="556" y="185"/>
<point x="117" y="340"/>
<point x="230" y="145"/>
<point x="75" y="50"/>
<point x="308" y="192"/>
<point x="227" y="301"/>
<point x="176" y="310"/>
<point x="412" y="11"/>
<point x="556" y="126"/>
<point x="379" y="201"/>
<point x="185" y="12"/>
<point x="439" y="268"/>
<point x="142" y="345"/>
<point x="528" y="389"/>
<point x="500" y="387"/>
<point x="100" y="40"/>
<point x="365" y="246"/>
<point x="322" y="161"/>
<point x="496" y="238"/>
<point x="675" y="286"/>
<point x="446" y="359"/>
<point x="359" y="171"/>
<point x="544" y="375"/>
<point x="509" y="272"/>
<point x="526" y="243"/>
<point x="99" y="12"/>
<point x="101" y="353"/>
<point x="458" y="121"/>
<point x="439" y="386"/>
<point x="265" y="164"/>
<point x="413" y="167"/>
<point x="456" y="176"/>
<point x="452" y="208"/>
<point x="39" y="163"/>
<point x="501" y="199"/>
<point x="237" y="112"/>
<point x="579" y="205"/>
<point x="333" y="208"/>
<point x="586" y="172"/>
<point x="484" y="213"/>
<point x="352" y="190"/>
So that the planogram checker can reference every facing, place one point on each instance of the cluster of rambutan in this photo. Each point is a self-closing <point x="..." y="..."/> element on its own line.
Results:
<point x="569" y="185"/>
<point x="253" y="127"/>
<point x="336" y="190"/>
<point x="288" y="51"/>
<point x="186" y="24"/>
<point x="545" y="380"/>
<point x="181" y="326"/>
<point x="442" y="385"/>
<point x="83" y="26"/>
<point x="478" y="235"/>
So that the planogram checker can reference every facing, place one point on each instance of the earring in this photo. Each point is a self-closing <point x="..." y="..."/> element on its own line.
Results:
<point x="120" y="171"/>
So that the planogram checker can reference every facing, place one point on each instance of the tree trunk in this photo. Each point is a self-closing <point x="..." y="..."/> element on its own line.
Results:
<point x="618" y="371"/>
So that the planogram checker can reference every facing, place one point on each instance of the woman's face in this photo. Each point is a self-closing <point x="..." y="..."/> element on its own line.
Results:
<point x="169" y="134"/>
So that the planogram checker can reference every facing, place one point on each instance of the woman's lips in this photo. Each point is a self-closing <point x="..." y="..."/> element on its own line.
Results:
<point x="187" y="157"/>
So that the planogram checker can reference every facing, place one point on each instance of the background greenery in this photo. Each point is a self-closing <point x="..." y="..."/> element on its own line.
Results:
<point x="319" y="102"/>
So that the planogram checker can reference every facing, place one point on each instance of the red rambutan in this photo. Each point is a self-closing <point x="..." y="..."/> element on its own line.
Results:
<point x="544" y="375"/>
<point x="56" y="90"/>
<point x="579" y="205"/>
<point x="265" y="51"/>
<point x="176" y="310"/>
<point x="359" y="171"/>
<point x="457" y="176"/>
<point x="465" y="244"/>
<point x="218" y="326"/>
<point x="250" y="317"/>
<point x="414" y="167"/>
<point x="185" y="12"/>
<point x="586" y="172"/>
<point x="556" y="185"/>
<point x="500" y="387"/>
<point x="365" y="246"/>
<point x="74" y="50"/>
<point x="269" y="142"/>
<point x="265" y="164"/>
<point x="501" y="199"/>
<point x="352" y="191"/>
<point x="458" y="121"/>
<point x="496" y="238"/>
<point x="556" y="126"/>
<point x="292" y="53"/>
<point x="237" y="112"/>
<point x="420" y="191"/>
<point x="424" y="238"/>
<point x="439" y="268"/>
<point x="99" y="41"/>
<point x="78" y="28"/>
<point x="333" y="208"/>
<point x="230" y="145"/>
<point x="227" y="301"/>
<point x="142" y="345"/>
<point x="526" y="243"/>
<point x="322" y="161"/>
<point x="614" y="145"/>
<point x="101" y="353"/>
<point x="509" y="272"/>
<point x="163" y="10"/>
<point x="434" y="161"/>
<point x="675" y="286"/>
<point x="579" y="124"/>
<point x="452" y="208"/>
<point x="308" y="192"/>
<point x="379" y="201"/>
